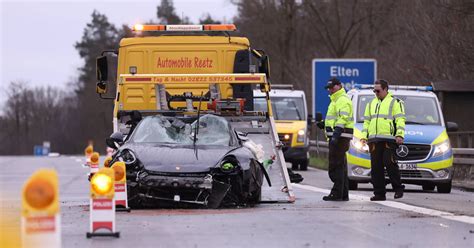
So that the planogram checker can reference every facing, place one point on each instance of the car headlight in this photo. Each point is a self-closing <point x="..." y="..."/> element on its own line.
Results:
<point x="128" y="157"/>
<point x="359" y="146"/>
<point x="441" y="148"/>
<point x="229" y="164"/>
<point x="301" y="136"/>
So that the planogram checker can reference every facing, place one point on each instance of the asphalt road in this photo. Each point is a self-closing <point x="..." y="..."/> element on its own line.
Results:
<point x="420" y="219"/>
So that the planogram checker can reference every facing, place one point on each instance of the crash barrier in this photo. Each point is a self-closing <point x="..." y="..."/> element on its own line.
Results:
<point x="102" y="204"/>
<point x="120" y="185"/>
<point x="40" y="215"/>
<point x="463" y="159"/>
<point x="463" y="139"/>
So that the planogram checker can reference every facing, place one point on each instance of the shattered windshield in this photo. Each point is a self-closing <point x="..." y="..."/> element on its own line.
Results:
<point x="213" y="130"/>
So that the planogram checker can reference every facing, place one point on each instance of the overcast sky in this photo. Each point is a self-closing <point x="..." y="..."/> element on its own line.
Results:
<point x="38" y="37"/>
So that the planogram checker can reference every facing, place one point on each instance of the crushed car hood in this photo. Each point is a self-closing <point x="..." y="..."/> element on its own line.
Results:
<point x="178" y="159"/>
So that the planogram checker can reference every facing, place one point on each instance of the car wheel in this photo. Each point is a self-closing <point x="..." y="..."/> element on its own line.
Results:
<point x="444" y="187"/>
<point x="353" y="185"/>
<point x="304" y="164"/>
<point x="294" y="165"/>
<point x="134" y="201"/>
<point x="428" y="187"/>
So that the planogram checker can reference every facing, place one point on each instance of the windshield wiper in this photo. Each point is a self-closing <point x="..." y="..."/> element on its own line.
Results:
<point x="196" y="130"/>
<point x="297" y="111"/>
<point x="414" y="122"/>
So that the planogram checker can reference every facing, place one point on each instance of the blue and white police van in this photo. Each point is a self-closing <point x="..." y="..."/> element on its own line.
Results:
<point x="425" y="158"/>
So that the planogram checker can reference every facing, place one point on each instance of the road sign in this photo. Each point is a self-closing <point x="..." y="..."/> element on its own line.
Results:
<point x="349" y="71"/>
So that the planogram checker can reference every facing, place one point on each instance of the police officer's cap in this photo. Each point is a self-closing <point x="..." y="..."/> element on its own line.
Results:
<point x="332" y="82"/>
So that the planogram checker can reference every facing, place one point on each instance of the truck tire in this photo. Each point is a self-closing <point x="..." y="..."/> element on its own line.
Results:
<point x="294" y="166"/>
<point x="428" y="187"/>
<point x="444" y="187"/>
<point x="353" y="185"/>
<point x="304" y="164"/>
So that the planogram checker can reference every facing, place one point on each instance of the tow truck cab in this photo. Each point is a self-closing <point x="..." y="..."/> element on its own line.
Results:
<point x="291" y="118"/>
<point x="425" y="158"/>
<point x="175" y="50"/>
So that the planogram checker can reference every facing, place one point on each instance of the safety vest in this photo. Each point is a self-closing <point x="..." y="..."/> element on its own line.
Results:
<point x="384" y="119"/>
<point x="339" y="114"/>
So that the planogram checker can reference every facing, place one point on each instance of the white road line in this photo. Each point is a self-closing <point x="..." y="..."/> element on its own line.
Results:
<point x="398" y="205"/>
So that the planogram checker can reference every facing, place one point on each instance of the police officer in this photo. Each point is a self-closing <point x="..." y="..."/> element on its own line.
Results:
<point x="384" y="129"/>
<point x="339" y="126"/>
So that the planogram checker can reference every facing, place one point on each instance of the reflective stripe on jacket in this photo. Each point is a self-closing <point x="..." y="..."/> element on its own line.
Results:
<point x="339" y="114"/>
<point x="384" y="119"/>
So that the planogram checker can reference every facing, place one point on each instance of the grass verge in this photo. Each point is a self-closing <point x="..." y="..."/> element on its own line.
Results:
<point x="319" y="163"/>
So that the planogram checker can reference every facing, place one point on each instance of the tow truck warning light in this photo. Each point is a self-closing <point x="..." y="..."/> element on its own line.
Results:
<point x="184" y="28"/>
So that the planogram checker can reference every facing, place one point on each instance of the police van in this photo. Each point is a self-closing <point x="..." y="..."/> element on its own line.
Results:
<point x="425" y="158"/>
<point x="291" y="120"/>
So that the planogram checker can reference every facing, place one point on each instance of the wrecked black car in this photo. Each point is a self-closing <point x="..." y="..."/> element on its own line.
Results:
<point x="188" y="161"/>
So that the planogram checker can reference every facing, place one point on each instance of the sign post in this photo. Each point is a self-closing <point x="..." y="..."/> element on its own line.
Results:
<point x="348" y="71"/>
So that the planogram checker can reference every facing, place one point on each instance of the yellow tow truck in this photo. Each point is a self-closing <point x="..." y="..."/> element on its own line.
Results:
<point x="169" y="70"/>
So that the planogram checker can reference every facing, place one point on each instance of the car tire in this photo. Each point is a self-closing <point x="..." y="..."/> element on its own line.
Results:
<point x="428" y="187"/>
<point x="134" y="201"/>
<point x="304" y="165"/>
<point x="444" y="188"/>
<point x="294" y="166"/>
<point x="353" y="185"/>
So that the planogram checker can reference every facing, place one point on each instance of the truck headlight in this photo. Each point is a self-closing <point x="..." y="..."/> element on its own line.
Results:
<point x="359" y="146"/>
<point x="441" y="148"/>
<point x="301" y="136"/>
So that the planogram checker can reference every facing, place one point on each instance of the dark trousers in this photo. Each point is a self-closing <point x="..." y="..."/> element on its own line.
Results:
<point x="382" y="155"/>
<point x="338" y="167"/>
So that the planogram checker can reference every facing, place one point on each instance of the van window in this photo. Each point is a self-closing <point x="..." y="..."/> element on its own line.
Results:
<point x="418" y="110"/>
<point x="284" y="108"/>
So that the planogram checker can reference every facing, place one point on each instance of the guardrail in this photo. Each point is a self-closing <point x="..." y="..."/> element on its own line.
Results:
<point x="462" y="156"/>
<point x="462" y="139"/>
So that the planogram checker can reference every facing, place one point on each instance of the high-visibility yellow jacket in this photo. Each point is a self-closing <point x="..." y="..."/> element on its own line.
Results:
<point x="384" y="119"/>
<point x="339" y="114"/>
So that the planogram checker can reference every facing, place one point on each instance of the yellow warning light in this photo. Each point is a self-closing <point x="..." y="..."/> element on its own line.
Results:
<point x="89" y="150"/>
<point x="95" y="157"/>
<point x="102" y="184"/>
<point x="41" y="193"/>
<point x="138" y="27"/>
<point x="119" y="169"/>
<point x="107" y="161"/>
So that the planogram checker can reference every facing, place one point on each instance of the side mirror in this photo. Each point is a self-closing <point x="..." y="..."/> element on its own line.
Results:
<point x="241" y="136"/>
<point x="319" y="116"/>
<point x="265" y="65"/>
<point x="310" y="120"/>
<point x="115" y="140"/>
<point x="451" y="126"/>
<point x="102" y="74"/>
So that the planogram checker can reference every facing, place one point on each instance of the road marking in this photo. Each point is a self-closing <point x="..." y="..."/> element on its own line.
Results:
<point x="398" y="205"/>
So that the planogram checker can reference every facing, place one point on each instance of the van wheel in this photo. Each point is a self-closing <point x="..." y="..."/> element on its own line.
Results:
<point x="428" y="187"/>
<point x="444" y="187"/>
<point x="304" y="164"/>
<point x="353" y="185"/>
